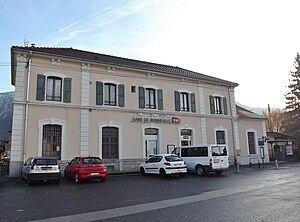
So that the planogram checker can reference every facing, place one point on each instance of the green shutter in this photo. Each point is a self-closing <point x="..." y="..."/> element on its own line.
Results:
<point x="160" y="99"/>
<point x="225" y="106"/>
<point x="193" y="103"/>
<point x="212" y="104"/>
<point x="121" y="95"/>
<point x="40" y="87"/>
<point x="99" y="93"/>
<point x="177" y="100"/>
<point x="141" y="97"/>
<point x="67" y="90"/>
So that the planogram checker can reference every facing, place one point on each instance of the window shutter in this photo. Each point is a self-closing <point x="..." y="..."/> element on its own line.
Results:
<point x="193" y="103"/>
<point x="121" y="95"/>
<point x="225" y="106"/>
<point x="40" y="87"/>
<point x="67" y="90"/>
<point x="212" y="104"/>
<point x="177" y="100"/>
<point x="160" y="99"/>
<point x="99" y="93"/>
<point x="141" y="97"/>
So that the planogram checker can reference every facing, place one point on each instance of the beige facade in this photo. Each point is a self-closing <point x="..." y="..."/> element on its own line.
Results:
<point x="70" y="102"/>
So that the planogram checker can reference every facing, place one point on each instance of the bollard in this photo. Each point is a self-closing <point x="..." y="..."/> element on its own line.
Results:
<point x="238" y="166"/>
<point x="276" y="164"/>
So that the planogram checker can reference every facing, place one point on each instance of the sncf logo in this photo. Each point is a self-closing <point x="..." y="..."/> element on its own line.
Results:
<point x="175" y="120"/>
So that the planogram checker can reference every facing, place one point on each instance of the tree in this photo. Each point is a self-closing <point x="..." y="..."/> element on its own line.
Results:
<point x="291" y="123"/>
<point x="274" y="119"/>
<point x="293" y="96"/>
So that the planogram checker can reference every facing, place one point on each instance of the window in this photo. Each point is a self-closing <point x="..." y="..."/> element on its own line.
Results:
<point x="150" y="98"/>
<point x="50" y="88"/>
<point x="251" y="142"/>
<point x="53" y="89"/>
<point x="185" y="101"/>
<point x="220" y="137"/>
<point x="110" y="92"/>
<point x="110" y="143"/>
<point x="52" y="135"/>
<point x="194" y="151"/>
<point x="219" y="151"/>
<point x="218" y="105"/>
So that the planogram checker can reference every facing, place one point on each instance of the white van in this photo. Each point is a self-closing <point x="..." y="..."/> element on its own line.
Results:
<point x="204" y="158"/>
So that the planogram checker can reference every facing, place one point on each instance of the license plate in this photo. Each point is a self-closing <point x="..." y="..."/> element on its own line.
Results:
<point x="46" y="168"/>
<point x="216" y="161"/>
<point x="94" y="174"/>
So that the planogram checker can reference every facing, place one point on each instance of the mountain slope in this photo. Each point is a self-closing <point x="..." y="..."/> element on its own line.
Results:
<point x="6" y="115"/>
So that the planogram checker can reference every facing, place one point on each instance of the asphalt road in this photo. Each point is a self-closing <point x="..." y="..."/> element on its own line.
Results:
<point x="252" y="195"/>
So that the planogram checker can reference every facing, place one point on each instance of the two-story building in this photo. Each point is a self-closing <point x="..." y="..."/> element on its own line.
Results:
<point x="70" y="102"/>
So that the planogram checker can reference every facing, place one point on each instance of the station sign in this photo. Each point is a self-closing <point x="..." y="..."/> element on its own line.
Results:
<point x="168" y="120"/>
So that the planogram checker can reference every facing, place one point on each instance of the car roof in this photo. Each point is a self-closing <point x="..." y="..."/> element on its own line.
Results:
<point x="165" y="154"/>
<point x="42" y="157"/>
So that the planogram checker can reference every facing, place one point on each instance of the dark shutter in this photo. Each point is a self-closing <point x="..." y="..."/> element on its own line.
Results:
<point x="225" y="106"/>
<point x="40" y="87"/>
<point x="212" y="104"/>
<point x="141" y="97"/>
<point x="121" y="95"/>
<point x="160" y="99"/>
<point x="99" y="93"/>
<point x="67" y="90"/>
<point x="193" y="103"/>
<point x="177" y="100"/>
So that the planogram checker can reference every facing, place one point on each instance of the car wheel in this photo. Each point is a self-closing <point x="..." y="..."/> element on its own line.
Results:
<point x="142" y="171"/>
<point x="200" y="170"/>
<point x="162" y="173"/>
<point x="77" y="179"/>
<point x="65" y="174"/>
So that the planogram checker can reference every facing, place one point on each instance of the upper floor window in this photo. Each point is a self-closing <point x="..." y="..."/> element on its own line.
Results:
<point x="53" y="88"/>
<point x="185" y="101"/>
<point x="218" y="105"/>
<point x="110" y="94"/>
<point x="150" y="98"/>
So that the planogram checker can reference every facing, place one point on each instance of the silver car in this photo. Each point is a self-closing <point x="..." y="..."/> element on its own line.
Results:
<point x="41" y="168"/>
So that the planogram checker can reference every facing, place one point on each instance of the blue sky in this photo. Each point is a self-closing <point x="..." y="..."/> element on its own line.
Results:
<point x="253" y="43"/>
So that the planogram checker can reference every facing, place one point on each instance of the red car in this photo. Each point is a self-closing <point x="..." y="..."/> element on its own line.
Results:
<point x="81" y="168"/>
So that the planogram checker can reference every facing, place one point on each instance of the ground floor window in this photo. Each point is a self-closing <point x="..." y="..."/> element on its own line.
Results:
<point x="251" y="142"/>
<point x="110" y="143"/>
<point x="51" y="145"/>
<point x="220" y="137"/>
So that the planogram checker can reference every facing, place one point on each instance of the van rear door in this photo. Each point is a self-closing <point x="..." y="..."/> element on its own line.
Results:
<point x="220" y="160"/>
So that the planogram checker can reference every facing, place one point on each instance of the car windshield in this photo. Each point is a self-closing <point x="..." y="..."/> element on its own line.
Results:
<point x="172" y="158"/>
<point x="91" y="160"/>
<point x="45" y="162"/>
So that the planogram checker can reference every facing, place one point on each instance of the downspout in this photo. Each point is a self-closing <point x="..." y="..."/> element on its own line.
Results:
<point x="233" y="120"/>
<point x="26" y="105"/>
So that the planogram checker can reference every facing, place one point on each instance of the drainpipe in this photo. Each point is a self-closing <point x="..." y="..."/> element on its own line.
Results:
<point x="26" y="105"/>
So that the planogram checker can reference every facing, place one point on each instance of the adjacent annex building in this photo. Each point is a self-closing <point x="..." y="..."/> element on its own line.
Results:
<point x="70" y="102"/>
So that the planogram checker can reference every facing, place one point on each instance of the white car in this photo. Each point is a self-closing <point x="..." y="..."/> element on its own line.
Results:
<point x="164" y="164"/>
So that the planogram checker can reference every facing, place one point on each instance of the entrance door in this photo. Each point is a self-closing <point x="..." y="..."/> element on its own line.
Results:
<point x="151" y="147"/>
